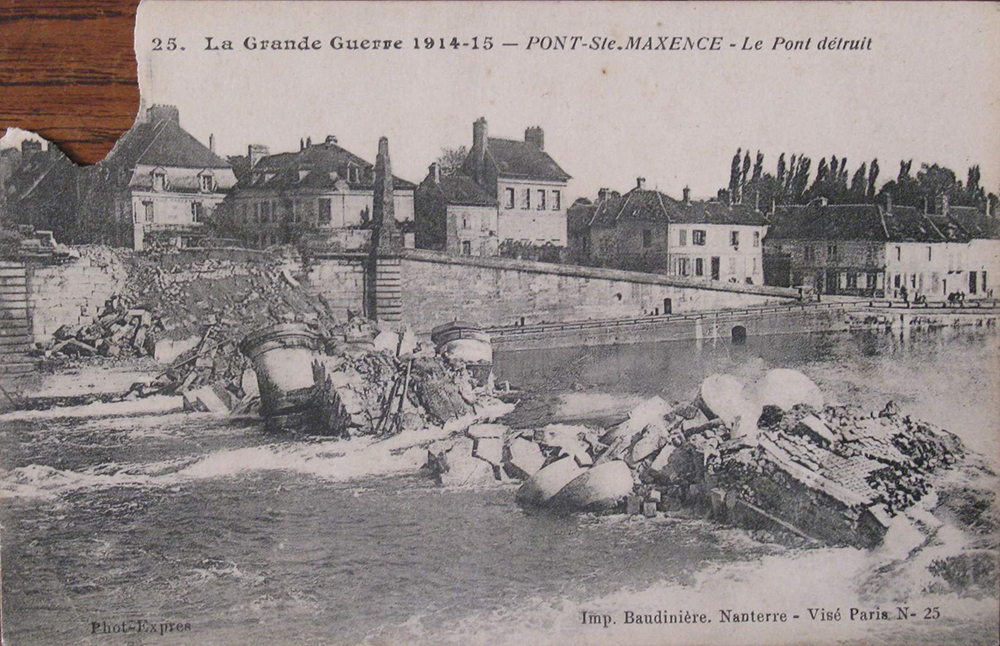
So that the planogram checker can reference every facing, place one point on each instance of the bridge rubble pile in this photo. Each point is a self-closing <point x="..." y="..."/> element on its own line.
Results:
<point x="776" y="458"/>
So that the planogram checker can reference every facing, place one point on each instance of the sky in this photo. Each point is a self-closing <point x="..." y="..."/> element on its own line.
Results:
<point x="928" y="89"/>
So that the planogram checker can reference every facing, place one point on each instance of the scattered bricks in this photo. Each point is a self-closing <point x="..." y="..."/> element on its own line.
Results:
<point x="633" y="505"/>
<point x="655" y="495"/>
<point x="649" y="509"/>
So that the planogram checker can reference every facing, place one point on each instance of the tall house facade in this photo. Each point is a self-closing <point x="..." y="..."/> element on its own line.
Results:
<point x="159" y="183"/>
<point x="322" y="189"/>
<point x="528" y="185"/>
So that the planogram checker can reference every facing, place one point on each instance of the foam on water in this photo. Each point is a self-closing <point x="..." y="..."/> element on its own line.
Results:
<point x="330" y="459"/>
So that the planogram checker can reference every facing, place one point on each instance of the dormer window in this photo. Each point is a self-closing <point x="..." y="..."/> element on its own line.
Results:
<point x="206" y="183"/>
<point x="159" y="179"/>
<point x="353" y="174"/>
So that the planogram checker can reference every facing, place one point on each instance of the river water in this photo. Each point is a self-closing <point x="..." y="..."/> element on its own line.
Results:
<point x="208" y="521"/>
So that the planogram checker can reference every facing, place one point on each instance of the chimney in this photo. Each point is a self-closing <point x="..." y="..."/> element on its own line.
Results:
<point x="256" y="152"/>
<point x="480" y="139"/>
<point x="159" y="113"/>
<point x="302" y="143"/>
<point x="309" y="142"/>
<point x="602" y="194"/>
<point x="434" y="172"/>
<point x="30" y="147"/>
<point x="640" y="183"/>
<point x="211" y="142"/>
<point x="535" y="136"/>
<point x="941" y="204"/>
<point x="330" y="140"/>
<point x="888" y="202"/>
<point x="687" y="195"/>
<point x="823" y="201"/>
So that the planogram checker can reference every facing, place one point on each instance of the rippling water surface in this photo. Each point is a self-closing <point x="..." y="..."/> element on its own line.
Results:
<point x="250" y="539"/>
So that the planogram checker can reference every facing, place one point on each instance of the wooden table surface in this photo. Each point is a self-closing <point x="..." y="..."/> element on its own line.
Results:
<point x="68" y="72"/>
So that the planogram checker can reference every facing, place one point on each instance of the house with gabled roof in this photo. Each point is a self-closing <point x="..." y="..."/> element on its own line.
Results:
<point x="647" y="230"/>
<point x="159" y="183"/>
<point x="38" y="189"/>
<point x="320" y="189"/>
<point x="527" y="184"/>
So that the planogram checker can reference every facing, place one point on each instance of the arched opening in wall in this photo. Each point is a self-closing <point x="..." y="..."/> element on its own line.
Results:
<point x="739" y="335"/>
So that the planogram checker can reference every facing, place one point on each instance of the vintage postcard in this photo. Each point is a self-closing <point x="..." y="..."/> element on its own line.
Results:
<point x="513" y="323"/>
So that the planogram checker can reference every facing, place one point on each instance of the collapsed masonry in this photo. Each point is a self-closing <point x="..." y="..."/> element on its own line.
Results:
<point x="830" y="474"/>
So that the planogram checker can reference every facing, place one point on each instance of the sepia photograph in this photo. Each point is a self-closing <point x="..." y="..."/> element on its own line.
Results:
<point x="508" y="323"/>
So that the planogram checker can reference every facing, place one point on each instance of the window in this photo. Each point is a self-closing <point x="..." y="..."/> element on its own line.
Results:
<point x="699" y="266"/>
<point x="899" y="253"/>
<point x="541" y="200"/>
<point x="698" y="237"/>
<point x="852" y="280"/>
<point x="465" y="222"/>
<point x="734" y="238"/>
<point x="755" y="264"/>
<point x="206" y="183"/>
<point x="556" y="200"/>
<point x="647" y="238"/>
<point x="159" y="180"/>
<point x="196" y="212"/>
<point x="831" y="251"/>
<point x="508" y="202"/>
<point x="148" y="211"/>
<point x="809" y="253"/>
<point x="756" y="239"/>
<point x="683" y="266"/>
<point x="526" y="202"/>
<point x="466" y="248"/>
<point x="682" y="237"/>
<point x="929" y="251"/>
<point x="896" y="281"/>
<point x="353" y="174"/>
<point x="325" y="212"/>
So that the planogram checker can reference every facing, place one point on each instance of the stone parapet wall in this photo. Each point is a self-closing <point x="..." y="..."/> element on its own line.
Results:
<point x="72" y="293"/>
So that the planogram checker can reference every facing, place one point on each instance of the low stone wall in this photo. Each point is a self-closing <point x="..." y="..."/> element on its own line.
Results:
<point x="437" y="288"/>
<point x="341" y="281"/>
<point x="71" y="293"/>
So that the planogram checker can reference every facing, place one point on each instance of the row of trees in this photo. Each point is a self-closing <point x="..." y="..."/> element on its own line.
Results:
<point x="749" y="183"/>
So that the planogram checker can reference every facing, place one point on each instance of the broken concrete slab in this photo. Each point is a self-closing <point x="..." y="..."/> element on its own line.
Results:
<point x="600" y="488"/>
<point x="548" y="482"/>
<point x="722" y="396"/>
<point x="489" y="449"/>
<point x="786" y="388"/>
<point x="524" y="458"/>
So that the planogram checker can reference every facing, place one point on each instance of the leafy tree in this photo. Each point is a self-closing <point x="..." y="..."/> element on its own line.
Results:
<point x="451" y="159"/>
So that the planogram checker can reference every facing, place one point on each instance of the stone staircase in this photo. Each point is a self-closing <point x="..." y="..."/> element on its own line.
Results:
<point x="15" y="327"/>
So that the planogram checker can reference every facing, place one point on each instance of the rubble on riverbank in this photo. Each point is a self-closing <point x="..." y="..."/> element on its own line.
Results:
<point x="829" y="474"/>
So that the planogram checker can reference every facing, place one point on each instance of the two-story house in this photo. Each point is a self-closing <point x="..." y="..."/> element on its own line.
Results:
<point x="455" y="214"/>
<point x="647" y="230"/>
<point x="322" y="189"/>
<point x="528" y="185"/>
<point x="158" y="182"/>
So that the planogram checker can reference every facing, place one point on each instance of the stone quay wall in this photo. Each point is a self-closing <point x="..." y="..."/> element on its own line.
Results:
<point x="437" y="288"/>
